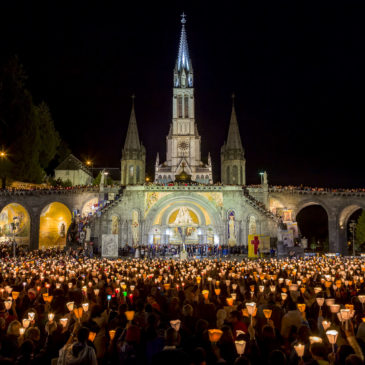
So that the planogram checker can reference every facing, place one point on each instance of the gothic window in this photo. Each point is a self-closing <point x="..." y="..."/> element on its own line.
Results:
<point x="186" y="106"/>
<point x="228" y="173"/>
<point x="179" y="107"/>
<point x="137" y="174"/>
<point x="234" y="174"/>
<point x="125" y="175"/>
<point x="241" y="182"/>
<point x="131" y="170"/>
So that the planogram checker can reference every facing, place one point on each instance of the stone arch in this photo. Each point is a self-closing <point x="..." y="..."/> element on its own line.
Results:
<point x="306" y="203"/>
<point x="15" y="224"/>
<point x="55" y="218"/>
<point x="164" y="203"/>
<point x="346" y="212"/>
<point x="316" y="225"/>
<point x="89" y="206"/>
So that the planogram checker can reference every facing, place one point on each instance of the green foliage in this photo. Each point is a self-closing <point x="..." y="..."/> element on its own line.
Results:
<point x="360" y="230"/>
<point x="107" y="181"/>
<point x="60" y="183"/>
<point x="49" y="137"/>
<point x="27" y="131"/>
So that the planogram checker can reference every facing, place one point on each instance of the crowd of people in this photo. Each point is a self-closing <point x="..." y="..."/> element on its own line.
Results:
<point x="315" y="189"/>
<point x="65" y="308"/>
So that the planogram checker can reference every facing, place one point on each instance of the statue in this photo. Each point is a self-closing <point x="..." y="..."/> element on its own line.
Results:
<point x="265" y="178"/>
<point x="252" y="225"/>
<point x="231" y="230"/>
<point x="115" y="224"/>
<point x="135" y="228"/>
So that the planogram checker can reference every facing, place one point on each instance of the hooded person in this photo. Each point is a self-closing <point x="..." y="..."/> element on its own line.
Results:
<point x="79" y="352"/>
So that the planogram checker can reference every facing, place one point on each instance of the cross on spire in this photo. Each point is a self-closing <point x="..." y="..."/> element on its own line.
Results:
<point x="183" y="18"/>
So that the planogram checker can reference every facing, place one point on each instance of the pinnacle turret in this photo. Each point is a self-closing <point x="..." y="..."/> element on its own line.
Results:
<point x="132" y="139"/>
<point x="234" y="138"/>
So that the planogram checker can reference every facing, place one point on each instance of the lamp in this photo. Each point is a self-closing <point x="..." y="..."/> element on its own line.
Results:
<point x="332" y="338"/>
<point x="315" y="339"/>
<point x="326" y="325"/>
<point x="31" y="316"/>
<point x="175" y="324"/>
<point x="214" y="335"/>
<point x="229" y="301"/>
<point x="92" y="336"/>
<point x="63" y="322"/>
<point x="267" y="313"/>
<point x="7" y="304"/>
<point x="78" y="313"/>
<point x="85" y="307"/>
<point x="15" y="295"/>
<point x="205" y="294"/>
<point x="129" y="315"/>
<point x="50" y="317"/>
<point x="26" y="322"/>
<point x="320" y="301"/>
<point x="112" y="334"/>
<point x="240" y="347"/>
<point x="299" y="349"/>
<point x="334" y="308"/>
<point x="70" y="306"/>
<point x="317" y="289"/>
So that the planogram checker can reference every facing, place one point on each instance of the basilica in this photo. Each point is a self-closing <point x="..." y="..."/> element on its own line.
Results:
<point x="184" y="205"/>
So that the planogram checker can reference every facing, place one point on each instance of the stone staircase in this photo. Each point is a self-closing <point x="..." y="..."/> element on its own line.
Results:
<point x="109" y="206"/>
<point x="260" y="206"/>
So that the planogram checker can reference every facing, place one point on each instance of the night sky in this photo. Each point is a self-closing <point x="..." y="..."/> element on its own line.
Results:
<point x="297" y="69"/>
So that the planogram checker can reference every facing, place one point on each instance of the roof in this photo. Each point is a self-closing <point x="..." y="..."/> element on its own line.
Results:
<point x="73" y="163"/>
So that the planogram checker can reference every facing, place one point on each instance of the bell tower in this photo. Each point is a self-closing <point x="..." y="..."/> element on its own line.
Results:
<point x="183" y="140"/>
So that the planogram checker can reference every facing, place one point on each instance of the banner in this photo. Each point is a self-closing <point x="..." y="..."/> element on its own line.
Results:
<point x="109" y="245"/>
<point x="293" y="226"/>
<point x="258" y="244"/>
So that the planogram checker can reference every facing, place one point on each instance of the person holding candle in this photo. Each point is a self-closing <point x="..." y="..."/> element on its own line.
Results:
<point x="78" y="352"/>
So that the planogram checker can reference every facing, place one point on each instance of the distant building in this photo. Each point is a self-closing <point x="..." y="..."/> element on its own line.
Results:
<point x="74" y="170"/>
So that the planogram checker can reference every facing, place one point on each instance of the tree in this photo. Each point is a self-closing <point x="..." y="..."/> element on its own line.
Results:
<point x="49" y="137"/>
<point x="27" y="131"/>
<point x="360" y="230"/>
<point x="108" y="180"/>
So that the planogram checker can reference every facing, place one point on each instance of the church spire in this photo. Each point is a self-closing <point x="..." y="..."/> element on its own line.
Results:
<point x="133" y="163"/>
<point x="132" y="138"/>
<point x="234" y="138"/>
<point x="233" y="163"/>
<point x="183" y="73"/>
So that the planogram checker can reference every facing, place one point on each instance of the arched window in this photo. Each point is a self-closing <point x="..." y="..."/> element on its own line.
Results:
<point x="130" y="175"/>
<point x="234" y="175"/>
<point x="241" y="182"/>
<point x="179" y="107"/>
<point x="125" y="175"/>
<point x="186" y="106"/>
<point x="137" y="174"/>
<point x="228" y="174"/>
